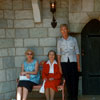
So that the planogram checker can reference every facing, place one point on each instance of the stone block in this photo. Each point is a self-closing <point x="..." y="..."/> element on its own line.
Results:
<point x="78" y="18"/>
<point x="88" y="5"/>
<point x="2" y="33"/>
<point x="1" y="14"/>
<point x="47" y="49"/>
<point x="11" y="74"/>
<point x="1" y="63"/>
<point x="6" y="43"/>
<point x="47" y="22"/>
<point x="27" y="4"/>
<point x="38" y="32"/>
<point x="76" y="27"/>
<point x="1" y="96"/>
<point x="54" y="32"/>
<point x="17" y="4"/>
<point x="20" y="51"/>
<point x="22" y="33"/>
<point x="10" y="95"/>
<point x="13" y="85"/>
<point x="23" y="23"/>
<point x="3" y="52"/>
<point x="2" y="74"/>
<point x="23" y="14"/>
<point x="93" y="15"/>
<point x="6" y="4"/>
<point x="47" y="13"/>
<point x="5" y="87"/>
<point x="18" y="42"/>
<point x="37" y="50"/>
<point x="10" y="23"/>
<point x="8" y="14"/>
<point x="3" y="23"/>
<point x="97" y="5"/>
<point x="19" y="61"/>
<point x="64" y="3"/>
<point x="31" y="42"/>
<point x="75" y="5"/>
<point x="11" y="51"/>
<point x="10" y="33"/>
<point x="9" y="62"/>
<point x="47" y="41"/>
<point x="61" y="13"/>
<point x="46" y="4"/>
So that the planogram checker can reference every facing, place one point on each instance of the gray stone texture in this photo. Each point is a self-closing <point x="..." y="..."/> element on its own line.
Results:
<point x="97" y="5"/>
<point x="10" y="23"/>
<point x="3" y="52"/>
<point x="75" y="5"/>
<point x="54" y="32"/>
<point x="1" y="63"/>
<point x="23" y="23"/>
<point x="6" y="4"/>
<point x="10" y="33"/>
<point x="17" y="4"/>
<point x="20" y="51"/>
<point x="8" y="14"/>
<point x="3" y="23"/>
<point x="11" y="74"/>
<point x="23" y="14"/>
<point x="47" y="41"/>
<point x="31" y="42"/>
<point x="2" y="33"/>
<point x="38" y="32"/>
<point x="22" y="33"/>
<point x="9" y="62"/>
<point x="1" y="14"/>
<point x="11" y="51"/>
<point x="88" y="5"/>
<point x="19" y="61"/>
<point x="18" y="42"/>
<point x="2" y="75"/>
<point x="6" y="43"/>
<point x="27" y="4"/>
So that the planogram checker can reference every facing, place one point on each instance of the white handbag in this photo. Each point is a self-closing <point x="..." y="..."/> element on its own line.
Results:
<point x="42" y="89"/>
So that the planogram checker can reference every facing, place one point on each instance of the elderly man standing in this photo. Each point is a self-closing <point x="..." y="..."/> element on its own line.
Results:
<point x="68" y="59"/>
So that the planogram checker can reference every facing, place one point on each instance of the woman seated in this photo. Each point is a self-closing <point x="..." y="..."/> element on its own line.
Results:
<point x="31" y="76"/>
<point x="51" y="75"/>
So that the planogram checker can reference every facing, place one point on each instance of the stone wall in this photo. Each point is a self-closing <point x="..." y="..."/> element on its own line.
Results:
<point x="18" y="31"/>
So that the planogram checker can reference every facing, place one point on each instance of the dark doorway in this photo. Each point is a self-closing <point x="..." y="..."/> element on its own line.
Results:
<point x="90" y="42"/>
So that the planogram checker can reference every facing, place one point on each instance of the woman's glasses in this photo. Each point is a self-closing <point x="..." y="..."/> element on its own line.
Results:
<point x="29" y="53"/>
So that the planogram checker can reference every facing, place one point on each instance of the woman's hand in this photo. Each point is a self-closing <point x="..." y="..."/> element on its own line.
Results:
<point x="23" y="73"/>
<point x="27" y="75"/>
<point x="78" y="67"/>
<point x="51" y="79"/>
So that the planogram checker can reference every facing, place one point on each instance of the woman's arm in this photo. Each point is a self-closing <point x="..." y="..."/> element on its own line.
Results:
<point x="33" y="72"/>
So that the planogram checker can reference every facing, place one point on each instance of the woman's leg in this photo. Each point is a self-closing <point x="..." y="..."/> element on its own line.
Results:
<point x="19" y="93"/>
<point x="47" y="93"/>
<point x="25" y="93"/>
<point x="52" y="93"/>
